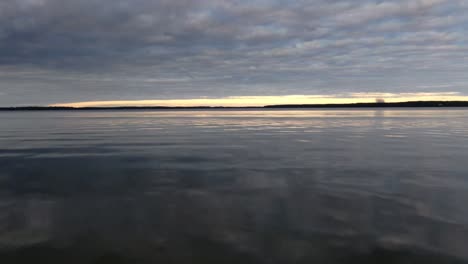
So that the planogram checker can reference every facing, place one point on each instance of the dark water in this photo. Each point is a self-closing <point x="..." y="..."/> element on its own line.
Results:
<point x="319" y="186"/>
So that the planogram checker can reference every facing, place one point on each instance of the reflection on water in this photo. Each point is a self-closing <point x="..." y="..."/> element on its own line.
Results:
<point x="334" y="186"/>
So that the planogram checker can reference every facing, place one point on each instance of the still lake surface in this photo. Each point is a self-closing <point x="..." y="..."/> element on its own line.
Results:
<point x="230" y="186"/>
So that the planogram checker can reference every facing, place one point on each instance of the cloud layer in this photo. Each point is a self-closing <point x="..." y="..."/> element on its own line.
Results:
<point x="58" y="51"/>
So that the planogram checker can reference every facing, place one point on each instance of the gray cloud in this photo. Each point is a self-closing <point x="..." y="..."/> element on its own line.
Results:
<point x="66" y="50"/>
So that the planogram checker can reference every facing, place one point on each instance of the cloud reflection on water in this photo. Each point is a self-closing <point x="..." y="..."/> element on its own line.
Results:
<point x="256" y="194"/>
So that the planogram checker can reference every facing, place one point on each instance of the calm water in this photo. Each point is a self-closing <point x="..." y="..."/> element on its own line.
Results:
<point x="318" y="186"/>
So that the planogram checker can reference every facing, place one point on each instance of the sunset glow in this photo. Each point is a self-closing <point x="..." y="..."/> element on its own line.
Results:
<point x="240" y="101"/>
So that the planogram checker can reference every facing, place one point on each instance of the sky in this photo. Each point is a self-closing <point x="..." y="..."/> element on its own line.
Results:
<point x="233" y="53"/>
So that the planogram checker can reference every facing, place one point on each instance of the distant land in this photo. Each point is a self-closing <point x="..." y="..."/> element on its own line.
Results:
<point x="301" y="106"/>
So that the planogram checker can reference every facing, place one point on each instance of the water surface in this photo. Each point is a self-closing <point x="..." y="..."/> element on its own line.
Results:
<point x="273" y="186"/>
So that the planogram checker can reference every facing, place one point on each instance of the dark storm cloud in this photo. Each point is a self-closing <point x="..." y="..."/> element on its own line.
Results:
<point x="80" y="50"/>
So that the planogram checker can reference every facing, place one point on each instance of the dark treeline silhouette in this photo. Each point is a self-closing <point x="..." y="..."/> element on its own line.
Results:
<point x="379" y="104"/>
<point x="353" y="105"/>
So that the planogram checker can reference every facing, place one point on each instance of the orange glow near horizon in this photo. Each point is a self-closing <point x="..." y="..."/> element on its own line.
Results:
<point x="240" y="101"/>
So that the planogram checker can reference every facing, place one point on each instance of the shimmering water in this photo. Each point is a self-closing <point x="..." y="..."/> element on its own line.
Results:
<point x="279" y="186"/>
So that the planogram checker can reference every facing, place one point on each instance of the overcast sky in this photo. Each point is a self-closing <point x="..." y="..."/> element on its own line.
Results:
<point x="62" y="51"/>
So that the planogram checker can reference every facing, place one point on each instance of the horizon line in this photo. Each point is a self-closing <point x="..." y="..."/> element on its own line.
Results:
<point x="419" y="103"/>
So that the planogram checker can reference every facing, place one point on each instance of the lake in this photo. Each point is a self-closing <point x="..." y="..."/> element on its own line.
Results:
<point x="234" y="186"/>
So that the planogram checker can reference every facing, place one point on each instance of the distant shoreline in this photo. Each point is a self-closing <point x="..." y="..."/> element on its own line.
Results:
<point x="414" y="104"/>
